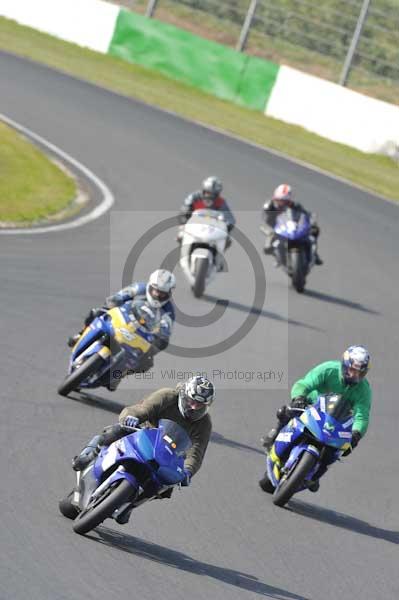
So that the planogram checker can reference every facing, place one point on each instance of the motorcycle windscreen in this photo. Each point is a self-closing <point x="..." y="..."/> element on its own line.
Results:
<point x="292" y="225"/>
<point x="337" y="407"/>
<point x="172" y="445"/>
<point x="174" y="437"/>
<point x="145" y="441"/>
<point x="329" y="420"/>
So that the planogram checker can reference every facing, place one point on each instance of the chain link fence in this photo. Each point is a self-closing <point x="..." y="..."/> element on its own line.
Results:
<point x="353" y="42"/>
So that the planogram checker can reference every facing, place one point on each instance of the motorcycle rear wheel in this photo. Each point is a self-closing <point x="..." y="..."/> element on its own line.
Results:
<point x="103" y="507"/>
<point x="72" y="381"/>
<point x="294" y="480"/>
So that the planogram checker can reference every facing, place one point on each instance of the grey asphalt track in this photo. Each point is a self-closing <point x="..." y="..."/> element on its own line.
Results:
<point x="221" y="538"/>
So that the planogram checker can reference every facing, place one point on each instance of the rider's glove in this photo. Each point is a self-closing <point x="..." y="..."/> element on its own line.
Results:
<point x="93" y="314"/>
<point x="356" y="437"/>
<point x="130" y="421"/>
<point x="299" y="402"/>
<point x="187" y="478"/>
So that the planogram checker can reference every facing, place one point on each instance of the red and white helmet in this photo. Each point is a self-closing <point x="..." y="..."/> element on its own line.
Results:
<point x="282" y="195"/>
<point x="160" y="287"/>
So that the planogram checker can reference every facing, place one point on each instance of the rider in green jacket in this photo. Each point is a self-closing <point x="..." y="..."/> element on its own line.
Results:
<point x="345" y="377"/>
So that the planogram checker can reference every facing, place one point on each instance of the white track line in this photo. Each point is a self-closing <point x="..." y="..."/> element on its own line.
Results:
<point x="98" y="211"/>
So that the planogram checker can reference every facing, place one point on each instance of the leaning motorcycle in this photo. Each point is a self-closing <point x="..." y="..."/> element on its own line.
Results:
<point x="294" y="247"/>
<point x="114" y="342"/>
<point x="127" y="473"/>
<point x="312" y="439"/>
<point x="202" y="248"/>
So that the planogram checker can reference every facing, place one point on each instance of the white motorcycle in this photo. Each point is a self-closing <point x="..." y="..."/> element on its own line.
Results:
<point x="202" y="249"/>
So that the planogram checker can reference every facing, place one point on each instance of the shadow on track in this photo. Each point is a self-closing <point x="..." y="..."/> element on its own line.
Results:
<point x="254" y="310"/>
<point x="97" y="401"/>
<point x="340" y="301"/>
<point x="179" y="560"/>
<point x="218" y="438"/>
<point x="337" y="519"/>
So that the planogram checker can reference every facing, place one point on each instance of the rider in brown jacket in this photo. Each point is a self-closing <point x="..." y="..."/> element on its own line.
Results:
<point x="165" y="404"/>
<point x="187" y="405"/>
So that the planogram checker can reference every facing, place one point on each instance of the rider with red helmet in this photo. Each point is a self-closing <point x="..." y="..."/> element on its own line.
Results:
<point x="281" y="200"/>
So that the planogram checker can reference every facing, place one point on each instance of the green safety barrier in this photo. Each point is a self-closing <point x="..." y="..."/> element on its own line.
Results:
<point x="211" y="67"/>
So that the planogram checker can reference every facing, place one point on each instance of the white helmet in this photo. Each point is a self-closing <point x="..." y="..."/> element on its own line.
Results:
<point x="160" y="287"/>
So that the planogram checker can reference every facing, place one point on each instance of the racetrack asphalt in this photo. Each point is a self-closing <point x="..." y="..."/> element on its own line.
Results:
<point x="221" y="538"/>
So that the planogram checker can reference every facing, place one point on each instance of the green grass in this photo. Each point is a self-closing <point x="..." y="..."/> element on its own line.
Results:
<point x="220" y="26"/>
<point x="377" y="173"/>
<point x="32" y="187"/>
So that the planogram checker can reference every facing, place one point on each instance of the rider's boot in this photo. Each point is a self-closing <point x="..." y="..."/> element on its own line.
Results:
<point x="268" y="249"/>
<point x="314" y="486"/>
<point x="317" y="259"/>
<point x="269" y="439"/>
<point x="110" y="434"/>
<point x="124" y="517"/>
<point x="113" y="385"/>
<point x="91" y="315"/>
<point x="88" y="454"/>
<point x="72" y="340"/>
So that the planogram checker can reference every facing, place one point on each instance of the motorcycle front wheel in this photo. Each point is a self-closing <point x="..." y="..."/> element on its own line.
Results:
<point x="293" y="481"/>
<point x="103" y="507"/>
<point x="298" y="269"/>
<point x="72" y="381"/>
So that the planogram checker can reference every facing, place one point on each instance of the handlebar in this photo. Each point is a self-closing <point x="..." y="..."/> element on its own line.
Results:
<point x="132" y="429"/>
<point x="293" y="409"/>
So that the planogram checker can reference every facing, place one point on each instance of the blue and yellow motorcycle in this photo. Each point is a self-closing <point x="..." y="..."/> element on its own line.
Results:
<point x="313" y="439"/>
<point x="111" y="346"/>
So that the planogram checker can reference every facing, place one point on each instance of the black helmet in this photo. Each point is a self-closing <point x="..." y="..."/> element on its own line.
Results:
<point x="195" y="398"/>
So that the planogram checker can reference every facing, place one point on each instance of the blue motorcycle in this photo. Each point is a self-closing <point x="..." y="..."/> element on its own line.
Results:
<point x="313" y="439"/>
<point x="134" y="469"/>
<point x="113" y="343"/>
<point x="294" y="247"/>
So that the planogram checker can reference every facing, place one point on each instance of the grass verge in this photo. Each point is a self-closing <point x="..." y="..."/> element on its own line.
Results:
<point x="377" y="173"/>
<point x="32" y="187"/>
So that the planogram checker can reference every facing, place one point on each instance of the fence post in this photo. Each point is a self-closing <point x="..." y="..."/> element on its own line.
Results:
<point x="247" y="25"/>
<point x="355" y="40"/>
<point x="151" y="6"/>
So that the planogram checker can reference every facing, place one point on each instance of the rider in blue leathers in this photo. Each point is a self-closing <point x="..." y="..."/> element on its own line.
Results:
<point x="157" y="292"/>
